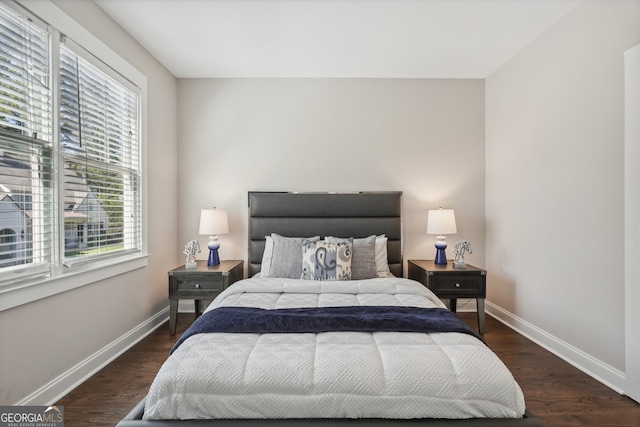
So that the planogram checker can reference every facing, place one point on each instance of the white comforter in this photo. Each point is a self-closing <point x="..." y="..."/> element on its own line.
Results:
<point x="332" y="374"/>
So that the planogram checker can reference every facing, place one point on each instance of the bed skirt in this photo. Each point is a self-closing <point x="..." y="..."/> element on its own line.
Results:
<point x="134" y="419"/>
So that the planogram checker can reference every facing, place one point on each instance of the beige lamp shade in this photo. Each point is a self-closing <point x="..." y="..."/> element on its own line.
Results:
<point x="441" y="221"/>
<point x="213" y="222"/>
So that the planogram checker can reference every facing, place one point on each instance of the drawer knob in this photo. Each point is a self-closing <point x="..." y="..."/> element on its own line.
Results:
<point x="197" y="285"/>
<point x="457" y="285"/>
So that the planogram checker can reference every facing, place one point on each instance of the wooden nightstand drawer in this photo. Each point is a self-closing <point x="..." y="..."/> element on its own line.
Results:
<point x="453" y="284"/>
<point x="199" y="283"/>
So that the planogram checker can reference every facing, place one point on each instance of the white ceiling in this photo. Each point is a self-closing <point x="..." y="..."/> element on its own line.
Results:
<point x="335" y="38"/>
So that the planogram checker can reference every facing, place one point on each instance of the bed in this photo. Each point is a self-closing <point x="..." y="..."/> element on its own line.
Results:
<point x="325" y="331"/>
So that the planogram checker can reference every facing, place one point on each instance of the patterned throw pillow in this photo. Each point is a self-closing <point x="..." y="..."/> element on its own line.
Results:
<point x="322" y="260"/>
<point x="363" y="260"/>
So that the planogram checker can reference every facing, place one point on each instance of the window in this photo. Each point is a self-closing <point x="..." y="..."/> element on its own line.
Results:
<point x="99" y="149"/>
<point x="70" y="182"/>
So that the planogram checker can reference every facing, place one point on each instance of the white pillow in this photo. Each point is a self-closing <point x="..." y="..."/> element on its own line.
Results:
<point x="267" y="255"/>
<point x="382" y="265"/>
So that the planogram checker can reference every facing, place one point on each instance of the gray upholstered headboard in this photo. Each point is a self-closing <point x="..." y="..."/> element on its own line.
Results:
<point x="325" y="214"/>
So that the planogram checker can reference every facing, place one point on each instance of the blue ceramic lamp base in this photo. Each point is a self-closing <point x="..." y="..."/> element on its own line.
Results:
<point x="214" y="258"/>
<point x="441" y="256"/>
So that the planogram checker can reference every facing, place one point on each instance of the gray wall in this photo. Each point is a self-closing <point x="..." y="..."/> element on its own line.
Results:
<point x="422" y="137"/>
<point x="555" y="180"/>
<point x="632" y="225"/>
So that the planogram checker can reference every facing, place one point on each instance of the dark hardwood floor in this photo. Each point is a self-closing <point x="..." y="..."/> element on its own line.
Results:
<point x="554" y="390"/>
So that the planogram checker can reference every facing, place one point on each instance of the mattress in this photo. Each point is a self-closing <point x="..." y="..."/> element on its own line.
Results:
<point x="347" y="374"/>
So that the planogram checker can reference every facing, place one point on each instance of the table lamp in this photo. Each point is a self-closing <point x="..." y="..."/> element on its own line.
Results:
<point x="212" y="223"/>
<point x="441" y="222"/>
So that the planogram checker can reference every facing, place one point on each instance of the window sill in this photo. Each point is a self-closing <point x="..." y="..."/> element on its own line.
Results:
<point x="15" y="296"/>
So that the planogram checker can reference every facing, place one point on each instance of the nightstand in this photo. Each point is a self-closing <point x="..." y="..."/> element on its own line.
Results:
<point x="452" y="283"/>
<point x="200" y="283"/>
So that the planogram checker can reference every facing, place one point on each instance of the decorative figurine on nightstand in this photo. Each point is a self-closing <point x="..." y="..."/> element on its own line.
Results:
<point x="461" y="247"/>
<point x="190" y="250"/>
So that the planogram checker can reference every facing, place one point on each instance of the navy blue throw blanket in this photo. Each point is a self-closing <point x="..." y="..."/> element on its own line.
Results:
<point x="326" y="319"/>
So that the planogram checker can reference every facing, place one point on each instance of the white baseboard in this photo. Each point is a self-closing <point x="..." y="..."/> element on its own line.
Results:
<point x="591" y="366"/>
<point x="186" y="306"/>
<point x="57" y="388"/>
<point x="466" y="304"/>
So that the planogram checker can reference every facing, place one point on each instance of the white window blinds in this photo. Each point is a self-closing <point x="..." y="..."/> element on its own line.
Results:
<point x="27" y="205"/>
<point x="70" y="165"/>
<point x="26" y="87"/>
<point x="99" y="143"/>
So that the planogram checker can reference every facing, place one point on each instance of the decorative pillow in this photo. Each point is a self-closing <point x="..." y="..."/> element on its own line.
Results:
<point x="382" y="264"/>
<point x="286" y="260"/>
<point x="363" y="261"/>
<point x="322" y="260"/>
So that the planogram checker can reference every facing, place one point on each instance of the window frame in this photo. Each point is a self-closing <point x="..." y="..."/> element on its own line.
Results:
<point x="65" y="278"/>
